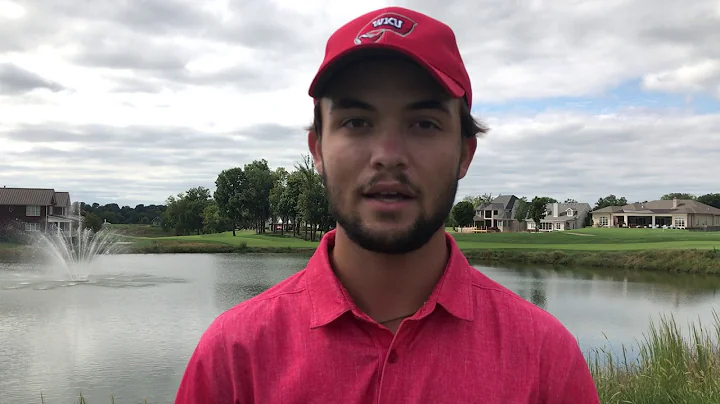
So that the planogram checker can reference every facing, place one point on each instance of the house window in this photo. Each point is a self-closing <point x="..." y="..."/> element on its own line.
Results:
<point x="558" y="226"/>
<point x="32" y="226"/>
<point x="32" y="211"/>
<point x="679" y="221"/>
<point x="570" y="212"/>
<point x="603" y="220"/>
<point x="495" y="212"/>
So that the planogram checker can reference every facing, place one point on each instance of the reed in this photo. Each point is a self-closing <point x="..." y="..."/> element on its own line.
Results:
<point x="669" y="367"/>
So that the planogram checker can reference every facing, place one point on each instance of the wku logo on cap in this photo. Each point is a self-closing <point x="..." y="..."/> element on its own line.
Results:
<point x="392" y="22"/>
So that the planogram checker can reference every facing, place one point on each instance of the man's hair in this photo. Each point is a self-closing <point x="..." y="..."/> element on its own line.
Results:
<point x="469" y="126"/>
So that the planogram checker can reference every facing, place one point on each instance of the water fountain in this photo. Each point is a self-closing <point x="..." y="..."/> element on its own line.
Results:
<point x="71" y="253"/>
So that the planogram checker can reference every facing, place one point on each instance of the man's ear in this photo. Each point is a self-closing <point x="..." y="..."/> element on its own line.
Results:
<point x="469" y="145"/>
<point x="315" y="146"/>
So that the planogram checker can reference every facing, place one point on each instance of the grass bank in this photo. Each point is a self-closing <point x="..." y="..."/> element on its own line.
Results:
<point x="632" y="249"/>
<point x="678" y="251"/>
<point x="670" y="367"/>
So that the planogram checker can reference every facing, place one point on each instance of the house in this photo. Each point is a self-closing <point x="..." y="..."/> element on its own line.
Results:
<point x="37" y="209"/>
<point x="499" y="214"/>
<point x="562" y="216"/>
<point x="678" y="213"/>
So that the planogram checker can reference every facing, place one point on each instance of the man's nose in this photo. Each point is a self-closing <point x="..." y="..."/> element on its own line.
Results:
<point x="389" y="149"/>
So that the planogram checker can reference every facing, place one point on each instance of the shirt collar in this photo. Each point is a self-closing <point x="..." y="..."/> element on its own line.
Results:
<point x="329" y="299"/>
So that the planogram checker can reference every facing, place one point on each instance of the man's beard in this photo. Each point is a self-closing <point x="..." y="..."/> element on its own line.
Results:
<point x="402" y="242"/>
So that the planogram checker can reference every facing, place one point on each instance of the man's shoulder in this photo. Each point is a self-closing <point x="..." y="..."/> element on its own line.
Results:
<point x="263" y="309"/>
<point x="515" y="311"/>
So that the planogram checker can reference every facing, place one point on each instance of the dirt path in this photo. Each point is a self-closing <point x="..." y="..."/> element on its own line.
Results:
<point x="581" y="234"/>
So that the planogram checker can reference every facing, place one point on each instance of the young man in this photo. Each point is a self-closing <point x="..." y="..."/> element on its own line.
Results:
<point x="388" y="310"/>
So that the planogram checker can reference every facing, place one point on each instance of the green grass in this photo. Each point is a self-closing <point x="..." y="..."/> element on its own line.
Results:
<point x="589" y="239"/>
<point x="139" y="230"/>
<point x="670" y="367"/>
<point x="631" y="249"/>
<point x="592" y="239"/>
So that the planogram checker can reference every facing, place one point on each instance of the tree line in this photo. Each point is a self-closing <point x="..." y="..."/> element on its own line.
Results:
<point x="254" y="197"/>
<point x="257" y="198"/>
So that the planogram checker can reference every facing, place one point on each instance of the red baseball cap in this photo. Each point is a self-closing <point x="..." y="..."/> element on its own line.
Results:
<point x="423" y="39"/>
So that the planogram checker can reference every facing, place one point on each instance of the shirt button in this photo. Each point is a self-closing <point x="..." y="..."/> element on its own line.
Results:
<point x="392" y="358"/>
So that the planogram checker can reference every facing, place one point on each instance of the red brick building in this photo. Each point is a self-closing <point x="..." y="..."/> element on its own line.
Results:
<point x="37" y="209"/>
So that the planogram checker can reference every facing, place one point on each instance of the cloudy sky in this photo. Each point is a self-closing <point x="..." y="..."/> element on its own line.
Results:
<point x="132" y="101"/>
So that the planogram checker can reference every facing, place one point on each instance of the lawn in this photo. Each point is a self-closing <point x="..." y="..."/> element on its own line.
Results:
<point x="249" y="238"/>
<point x="592" y="239"/>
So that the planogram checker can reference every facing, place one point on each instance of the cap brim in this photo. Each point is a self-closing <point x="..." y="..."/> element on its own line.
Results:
<point x="376" y="50"/>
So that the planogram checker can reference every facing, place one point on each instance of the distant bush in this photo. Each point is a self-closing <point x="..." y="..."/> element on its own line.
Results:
<point x="12" y="232"/>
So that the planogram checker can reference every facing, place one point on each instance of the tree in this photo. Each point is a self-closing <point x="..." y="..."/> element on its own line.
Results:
<point x="570" y="200"/>
<point x="478" y="200"/>
<point x="710" y="199"/>
<point x="91" y="221"/>
<point x="463" y="213"/>
<point x="289" y="199"/>
<point x="312" y="202"/>
<point x="256" y="196"/>
<point x="230" y="185"/>
<point x="276" y="194"/>
<point x="538" y="209"/>
<point x="522" y="209"/>
<point x="213" y="221"/>
<point x="184" y="211"/>
<point x="678" y="195"/>
<point x="610" y="200"/>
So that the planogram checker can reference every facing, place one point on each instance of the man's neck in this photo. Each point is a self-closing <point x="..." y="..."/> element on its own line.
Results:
<point x="389" y="286"/>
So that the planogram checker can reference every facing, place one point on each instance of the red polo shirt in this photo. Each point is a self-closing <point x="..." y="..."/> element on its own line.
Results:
<point x="305" y="341"/>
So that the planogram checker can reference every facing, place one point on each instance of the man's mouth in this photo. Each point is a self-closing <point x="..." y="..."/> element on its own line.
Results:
<point x="388" y="196"/>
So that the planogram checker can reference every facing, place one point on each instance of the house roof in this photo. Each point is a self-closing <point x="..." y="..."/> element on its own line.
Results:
<point x="562" y="210"/>
<point x="502" y="202"/>
<point x="26" y="196"/>
<point x="663" y="207"/>
<point x="62" y="198"/>
<point x="33" y="196"/>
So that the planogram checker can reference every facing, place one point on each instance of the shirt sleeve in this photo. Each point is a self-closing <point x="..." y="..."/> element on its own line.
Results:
<point x="565" y="376"/>
<point x="208" y="377"/>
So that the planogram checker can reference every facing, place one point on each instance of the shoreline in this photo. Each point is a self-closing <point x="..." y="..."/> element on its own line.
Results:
<point x="687" y="261"/>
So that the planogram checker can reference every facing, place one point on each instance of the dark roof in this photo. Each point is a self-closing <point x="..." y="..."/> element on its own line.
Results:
<point x="502" y="202"/>
<point x="33" y="196"/>
<point x="62" y="198"/>
<point x="26" y="196"/>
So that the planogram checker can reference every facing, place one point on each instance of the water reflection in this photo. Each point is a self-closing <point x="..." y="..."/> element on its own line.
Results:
<point x="134" y="342"/>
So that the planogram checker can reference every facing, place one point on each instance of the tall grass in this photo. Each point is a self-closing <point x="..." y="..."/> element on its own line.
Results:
<point x="669" y="368"/>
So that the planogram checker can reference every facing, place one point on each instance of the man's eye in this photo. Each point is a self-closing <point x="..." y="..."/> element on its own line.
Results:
<point x="426" y="125"/>
<point x="355" y="123"/>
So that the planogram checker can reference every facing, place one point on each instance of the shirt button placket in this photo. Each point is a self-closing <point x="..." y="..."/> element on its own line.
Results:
<point x="392" y="356"/>
<point x="390" y="368"/>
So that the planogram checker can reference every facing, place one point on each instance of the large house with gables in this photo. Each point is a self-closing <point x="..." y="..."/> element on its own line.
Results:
<point x="37" y="209"/>
<point x="561" y="216"/>
<point x="498" y="214"/>
<point x="675" y="213"/>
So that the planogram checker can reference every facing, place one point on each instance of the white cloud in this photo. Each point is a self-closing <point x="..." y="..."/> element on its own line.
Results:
<point x="87" y="89"/>
<point x="699" y="77"/>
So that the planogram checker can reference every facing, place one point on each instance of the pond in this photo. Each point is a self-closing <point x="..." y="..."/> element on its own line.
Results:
<point x="130" y="329"/>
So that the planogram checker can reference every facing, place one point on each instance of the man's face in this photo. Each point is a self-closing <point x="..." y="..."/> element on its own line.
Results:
<point x="390" y="153"/>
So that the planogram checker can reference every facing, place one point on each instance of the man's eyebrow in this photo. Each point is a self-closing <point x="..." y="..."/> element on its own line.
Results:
<point x="429" y="104"/>
<point x="350" y="103"/>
